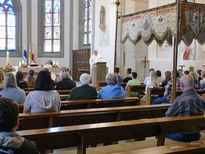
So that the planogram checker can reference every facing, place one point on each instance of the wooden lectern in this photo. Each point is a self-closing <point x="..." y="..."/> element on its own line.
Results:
<point x="99" y="72"/>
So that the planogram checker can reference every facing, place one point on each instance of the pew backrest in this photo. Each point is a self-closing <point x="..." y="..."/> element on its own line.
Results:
<point x="94" y="103"/>
<point x="87" y="116"/>
<point x="135" y="88"/>
<point x="159" y="91"/>
<point x="83" y="135"/>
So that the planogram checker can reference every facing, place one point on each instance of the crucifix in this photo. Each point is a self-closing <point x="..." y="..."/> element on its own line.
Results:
<point x="145" y="61"/>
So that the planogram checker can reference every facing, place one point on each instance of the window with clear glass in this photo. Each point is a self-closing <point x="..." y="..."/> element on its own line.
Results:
<point x="87" y="21"/>
<point x="7" y="26"/>
<point x="52" y="26"/>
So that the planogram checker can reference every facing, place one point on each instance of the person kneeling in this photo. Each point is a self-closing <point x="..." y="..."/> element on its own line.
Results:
<point x="9" y="123"/>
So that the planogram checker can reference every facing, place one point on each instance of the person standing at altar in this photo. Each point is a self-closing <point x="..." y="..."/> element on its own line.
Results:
<point x="48" y="64"/>
<point x="95" y="58"/>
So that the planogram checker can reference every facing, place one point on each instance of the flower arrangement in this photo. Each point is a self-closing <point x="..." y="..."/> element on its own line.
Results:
<point x="9" y="68"/>
<point x="191" y="68"/>
<point x="55" y="66"/>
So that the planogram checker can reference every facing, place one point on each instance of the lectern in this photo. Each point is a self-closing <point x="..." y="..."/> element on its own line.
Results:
<point x="99" y="72"/>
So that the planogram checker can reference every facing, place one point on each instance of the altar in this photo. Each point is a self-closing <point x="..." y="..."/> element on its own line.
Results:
<point x="37" y="70"/>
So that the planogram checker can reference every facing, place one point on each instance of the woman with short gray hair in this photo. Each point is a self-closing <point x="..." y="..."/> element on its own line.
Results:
<point x="11" y="90"/>
<point x="112" y="90"/>
<point x="85" y="91"/>
<point x="111" y="79"/>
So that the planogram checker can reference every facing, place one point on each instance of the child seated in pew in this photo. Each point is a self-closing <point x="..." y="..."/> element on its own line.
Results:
<point x="9" y="123"/>
<point x="134" y="81"/>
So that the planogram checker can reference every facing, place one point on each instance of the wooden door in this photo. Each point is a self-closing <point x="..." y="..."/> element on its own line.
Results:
<point x="80" y="63"/>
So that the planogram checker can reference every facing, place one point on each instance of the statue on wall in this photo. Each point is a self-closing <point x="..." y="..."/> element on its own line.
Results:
<point x="102" y="25"/>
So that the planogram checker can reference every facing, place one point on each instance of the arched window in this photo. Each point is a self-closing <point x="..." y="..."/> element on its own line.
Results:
<point x="51" y="28"/>
<point x="87" y="21"/>
<point x="7" y="26"/>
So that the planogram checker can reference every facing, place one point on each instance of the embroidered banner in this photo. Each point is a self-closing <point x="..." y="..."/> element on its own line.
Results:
<point x="160" y="24"/>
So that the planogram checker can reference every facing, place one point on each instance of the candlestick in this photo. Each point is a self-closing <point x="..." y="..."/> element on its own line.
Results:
<point x="7" y="57"/>
<point x="19" y="63"/>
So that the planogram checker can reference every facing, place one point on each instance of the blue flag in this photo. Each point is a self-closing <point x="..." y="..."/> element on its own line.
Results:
<point x="25" y="56"/>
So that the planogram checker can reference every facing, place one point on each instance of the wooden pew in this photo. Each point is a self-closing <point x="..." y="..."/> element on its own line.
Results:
<point x="123" y="84"/>
<point x="99" y="103"/>
<point x="95" y="103"/>
<point x="179" y="92"/>
<point x="197" y="147"/>
<point x="135" y="88"/>
<point x="91" y="134"/>
<point x="31" y="86"/>
<point x="64" y="97"/>
<point x="152" y="91"/>
<point x="87" y="116"/>
<point x="61" y="92"/>
<point x="100" y="84"/>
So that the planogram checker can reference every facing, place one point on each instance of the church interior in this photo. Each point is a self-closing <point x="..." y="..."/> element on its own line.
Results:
<point x="102" y="76"/>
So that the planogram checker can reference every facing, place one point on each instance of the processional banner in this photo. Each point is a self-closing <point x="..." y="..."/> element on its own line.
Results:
<point x="160" y="24"/>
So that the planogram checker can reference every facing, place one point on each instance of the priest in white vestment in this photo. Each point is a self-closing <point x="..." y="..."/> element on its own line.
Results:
<point x="95" y="58"/>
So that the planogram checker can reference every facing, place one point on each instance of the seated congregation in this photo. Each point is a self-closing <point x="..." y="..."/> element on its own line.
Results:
<point x="44" y="97"/>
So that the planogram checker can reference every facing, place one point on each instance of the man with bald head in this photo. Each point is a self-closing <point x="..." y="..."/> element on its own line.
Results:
<point x="188" y="104"/>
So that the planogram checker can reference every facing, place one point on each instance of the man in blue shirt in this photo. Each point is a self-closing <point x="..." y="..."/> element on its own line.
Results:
<point x="188" y="104"/>
<point x="112" y="90"/>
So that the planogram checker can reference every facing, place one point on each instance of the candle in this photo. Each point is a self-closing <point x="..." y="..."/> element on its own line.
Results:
<point x="57" y="63"/>
<point x="19" y="63"/>
<point x="7" y="57"/>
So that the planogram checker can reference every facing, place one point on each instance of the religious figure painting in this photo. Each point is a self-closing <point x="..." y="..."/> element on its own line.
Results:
<point x="102" y="25"/>
<point x="187" y="52"/>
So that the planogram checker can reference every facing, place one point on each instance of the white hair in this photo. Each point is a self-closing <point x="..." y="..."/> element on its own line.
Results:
<point x="111" y="79"/>
<point x="85" y="79"/>
<point x="10" y="81"/>
<point x="187" y="81"/>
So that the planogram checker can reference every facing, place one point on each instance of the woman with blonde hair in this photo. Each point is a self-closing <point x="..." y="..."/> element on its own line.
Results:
<point x="151" y="83"/>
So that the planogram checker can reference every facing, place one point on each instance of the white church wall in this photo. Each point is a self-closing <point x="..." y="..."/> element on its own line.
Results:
<point x="133" y="53"/>
<point x="105" y="41"/>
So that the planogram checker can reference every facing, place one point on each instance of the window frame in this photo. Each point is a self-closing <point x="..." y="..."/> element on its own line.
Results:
<point x="89" y="19"/>
<point x="17" y="8"/>
<point x="41" y="32"/>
